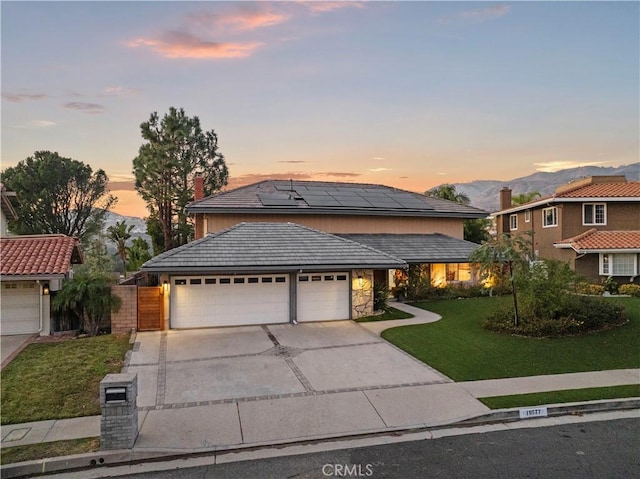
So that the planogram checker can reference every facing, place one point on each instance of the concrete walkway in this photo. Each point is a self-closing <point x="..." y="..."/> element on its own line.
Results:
<point x="11" y="345"/>
<point x="420" y="316"/>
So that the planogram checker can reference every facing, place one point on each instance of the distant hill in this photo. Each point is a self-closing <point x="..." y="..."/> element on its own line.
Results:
<point x="485" y="193"/>
<point x="139" y="228"/>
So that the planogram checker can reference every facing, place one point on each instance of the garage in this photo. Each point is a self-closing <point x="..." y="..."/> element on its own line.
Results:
<point x="265" y="273"/>
<point x="323" y="297"/>
<point x="207" y="301"/>
<point x="20" y="307"/>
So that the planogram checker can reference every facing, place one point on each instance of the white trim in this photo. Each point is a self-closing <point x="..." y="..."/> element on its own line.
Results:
<point x="557" y="220"/>
<point x="511" y="223"/>
<point x="593" y="212"/>
<point x="527" y="216"/>
<point x="615" y="273"/>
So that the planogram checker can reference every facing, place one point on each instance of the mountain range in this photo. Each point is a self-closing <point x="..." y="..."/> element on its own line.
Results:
<point x="483" y="194"/>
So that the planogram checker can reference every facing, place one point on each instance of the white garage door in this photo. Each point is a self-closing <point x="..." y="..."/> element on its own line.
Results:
<point x="20" y="307"/>
<point x="323" y="297"/>
<point x="201" y="302"/>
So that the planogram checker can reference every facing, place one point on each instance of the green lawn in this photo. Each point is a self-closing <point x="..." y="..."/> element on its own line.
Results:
<point x="390" y="313"/>
<point x="43" y="450"/>
<point x="59" y="380"/>
<point x="460" y="348"/>
<point x="556" y="397"/>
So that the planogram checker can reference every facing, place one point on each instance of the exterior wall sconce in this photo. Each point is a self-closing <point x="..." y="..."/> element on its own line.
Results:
<point x="165" y="287"/>
<point x="45" y="289"/>
<point x="360" y="281"/>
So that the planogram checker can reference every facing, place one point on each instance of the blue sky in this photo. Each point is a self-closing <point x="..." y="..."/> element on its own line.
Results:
<point x="408" y="94"/>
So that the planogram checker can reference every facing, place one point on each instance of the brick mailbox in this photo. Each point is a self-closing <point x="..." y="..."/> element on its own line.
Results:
<point x="119" y="421"/>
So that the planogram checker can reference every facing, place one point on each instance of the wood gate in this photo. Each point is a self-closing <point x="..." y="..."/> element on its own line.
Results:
<point x="150" y="302"/>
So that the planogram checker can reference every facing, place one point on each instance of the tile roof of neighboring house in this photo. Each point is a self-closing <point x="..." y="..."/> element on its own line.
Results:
<point x="269" y="247"/>
<point x="319" y="197"/>
<point x="612" y="191"/>
<point x="418" y="248"/>
<point x="38" y="255"/>
<point x="594" y="241"/>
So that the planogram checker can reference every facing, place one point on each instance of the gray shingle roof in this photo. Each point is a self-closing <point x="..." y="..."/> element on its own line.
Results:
<point x="319" y="197"/>
<point x="270" y="247"/>
<point x="418" y="248"/>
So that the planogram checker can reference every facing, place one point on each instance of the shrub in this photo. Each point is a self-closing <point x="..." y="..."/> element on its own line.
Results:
<point x="380" y="297"/>
<point x="610" y="286"/>
<point x="630" y="289"/>
<point x="589" y="288"/>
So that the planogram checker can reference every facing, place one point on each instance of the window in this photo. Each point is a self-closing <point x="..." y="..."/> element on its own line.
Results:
<point x="209" y="281"/>
<point x="179" y="282"/>
<point x="527" y="216"/>
<point x="341" y="277"/>
<point x="195" y="281"/>
<point x="594" y="214"/>
<point x="316" y="278"/>
<point x="618" y="264"/>
<point x="267" y="280"/>
<point x="252" y="280"/>
<point x="513" y="222"/>
<point x="328" y="278"/>
<point x="550" y="217"/>
<point x="281" y="279"/>
<point x="238" y="280"/>
<point x="225" y="280"/>
<point x="303" y="278"/>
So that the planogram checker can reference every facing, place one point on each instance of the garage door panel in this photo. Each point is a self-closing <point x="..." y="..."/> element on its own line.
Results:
<point x="20" y="308"/>
<point x="323" y="297"/>
<point x="229" y="301"/>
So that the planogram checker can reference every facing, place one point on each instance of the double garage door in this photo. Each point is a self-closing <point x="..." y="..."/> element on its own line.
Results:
<point x="206" y="301"/>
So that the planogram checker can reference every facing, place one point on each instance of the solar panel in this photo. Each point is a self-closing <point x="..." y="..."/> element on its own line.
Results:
<point x="276" y="199"/>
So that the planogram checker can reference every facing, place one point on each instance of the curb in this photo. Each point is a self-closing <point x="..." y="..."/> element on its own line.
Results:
<point x="99" y="459"/>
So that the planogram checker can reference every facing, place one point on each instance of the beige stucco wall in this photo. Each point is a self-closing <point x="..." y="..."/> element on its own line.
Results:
<point x="345" y="224"/>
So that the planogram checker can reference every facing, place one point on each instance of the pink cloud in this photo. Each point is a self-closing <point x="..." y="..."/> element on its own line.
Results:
<point x="328" y="6"/>
<point x="244" y="19"/>
<point x="186" y="45"/>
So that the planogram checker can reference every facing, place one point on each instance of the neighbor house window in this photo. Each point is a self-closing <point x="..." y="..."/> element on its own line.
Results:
<point x="594" y="214"/>
<point x="618" y="264"/>
<point x="527" y="216"/>
<point x="513" y="222"/>
<point x="550" y="217"/>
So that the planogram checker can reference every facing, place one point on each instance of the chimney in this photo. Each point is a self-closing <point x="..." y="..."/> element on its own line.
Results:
<point x="198" y="187"/>
<point x="198" y="194"/>
<point x="505" y="198"/>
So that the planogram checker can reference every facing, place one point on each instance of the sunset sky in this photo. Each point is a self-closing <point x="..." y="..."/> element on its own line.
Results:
<point x="407" y="94"/>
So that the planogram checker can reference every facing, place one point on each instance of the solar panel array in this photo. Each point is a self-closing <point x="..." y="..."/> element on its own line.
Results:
<point x="351" y="197"/>
<point x="276" y="199"/>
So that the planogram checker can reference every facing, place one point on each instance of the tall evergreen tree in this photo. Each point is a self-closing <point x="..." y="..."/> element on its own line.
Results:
<point x="175" y="149"/>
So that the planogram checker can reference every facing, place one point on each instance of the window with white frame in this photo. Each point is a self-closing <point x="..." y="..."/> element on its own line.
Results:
<point x="550" y="217"/>
<point x="618" y="264"/>
<point x="594" y="214"/>
<point x="513" y="222"/>
<point x="527" y="216"/>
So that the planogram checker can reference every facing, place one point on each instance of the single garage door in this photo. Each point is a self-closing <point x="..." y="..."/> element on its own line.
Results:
<point x="20" y="307"/>
<point x="323" y="297"/>
<point x="201" y="302"/>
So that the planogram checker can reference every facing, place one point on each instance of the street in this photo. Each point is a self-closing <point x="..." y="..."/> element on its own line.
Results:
<point x="605" y="449"/>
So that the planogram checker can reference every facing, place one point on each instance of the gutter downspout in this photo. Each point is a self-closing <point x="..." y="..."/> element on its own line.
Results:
<point x="40" y="298"/>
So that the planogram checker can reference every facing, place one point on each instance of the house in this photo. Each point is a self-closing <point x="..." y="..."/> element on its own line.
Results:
<point x="7" y="210"/>
<point x="592" y="223"/>
<point x="293" y="251"/>
<point x="31" y="268"/>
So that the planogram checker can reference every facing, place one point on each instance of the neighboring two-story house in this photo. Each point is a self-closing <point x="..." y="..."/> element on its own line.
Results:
<point x="289" y="251"/>
<point x="592" y="223"/>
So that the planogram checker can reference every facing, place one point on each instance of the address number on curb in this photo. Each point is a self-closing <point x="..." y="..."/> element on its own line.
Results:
<point x="533" y="412"/>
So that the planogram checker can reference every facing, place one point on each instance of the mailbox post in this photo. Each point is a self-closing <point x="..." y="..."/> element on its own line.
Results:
<point x="119" y="421"/>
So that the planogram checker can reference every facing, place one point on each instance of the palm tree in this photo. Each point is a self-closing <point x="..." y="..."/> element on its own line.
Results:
<point x="448" y="192"/>
<point x="119" y="234"/>
<point x="523" y="198"/>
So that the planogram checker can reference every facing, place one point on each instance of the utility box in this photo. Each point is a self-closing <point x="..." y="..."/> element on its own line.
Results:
<point x="119" y="421"/>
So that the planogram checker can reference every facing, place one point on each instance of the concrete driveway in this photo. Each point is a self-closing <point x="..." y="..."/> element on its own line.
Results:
<point x="10" y="346"/>
<point x="208" y="366"/>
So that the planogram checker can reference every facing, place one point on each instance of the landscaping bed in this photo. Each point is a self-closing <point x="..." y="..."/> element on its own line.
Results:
<point x="390" y="313"/>
<point x="57" y="380"/>
<point x="461" y="348"/>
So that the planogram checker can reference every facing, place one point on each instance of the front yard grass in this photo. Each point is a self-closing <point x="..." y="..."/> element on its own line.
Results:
<point x="459" y="347"/>
<point x="61" y="379"/>
<point x="556" y="397"/>
<point x="390" y="313"/>
<point x="44" y="450"/>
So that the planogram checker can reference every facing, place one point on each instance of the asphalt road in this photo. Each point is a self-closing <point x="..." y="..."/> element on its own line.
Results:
<point x="605" y="449"/>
